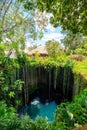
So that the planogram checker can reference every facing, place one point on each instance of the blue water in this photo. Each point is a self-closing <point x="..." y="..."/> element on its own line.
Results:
<point x="37" y="108"/>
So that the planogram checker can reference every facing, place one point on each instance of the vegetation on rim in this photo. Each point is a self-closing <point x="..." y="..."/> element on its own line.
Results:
<point x="18" y="18"/>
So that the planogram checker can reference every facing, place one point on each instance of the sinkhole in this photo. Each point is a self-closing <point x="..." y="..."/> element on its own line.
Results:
<point x="37" y="108"/>
<point x="45" y="89"/>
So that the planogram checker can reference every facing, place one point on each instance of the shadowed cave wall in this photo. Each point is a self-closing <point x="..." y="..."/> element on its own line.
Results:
<point x="49" y="84"/>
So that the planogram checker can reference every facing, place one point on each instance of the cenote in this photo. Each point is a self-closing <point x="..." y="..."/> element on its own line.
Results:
<point x="42" y="103"/>
<point x="37" y="108"/>
<point x="44" y="93"/>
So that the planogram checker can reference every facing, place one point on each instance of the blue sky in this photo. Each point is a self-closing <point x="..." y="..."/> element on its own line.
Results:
<point x="49" y="34"/>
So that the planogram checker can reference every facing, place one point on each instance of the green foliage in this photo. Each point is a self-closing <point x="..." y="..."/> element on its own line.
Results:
<point x="18" y="85"/>
<point x="80" y="68"/>
<point x="11" y="94"/>
<point x="74" y="43"/>
<point x="70" y="15"/>
<point x="13" y="125"/>
<point x="10" y="88"/>
<point x="66" y="117"/>
<point x="15" y="23"/>
<point x="7" y="115"/>
<point x="75" y="112"/>
<point x="53" y="48"/>
<point x="26" y="123"/>
<point x="80" y="51"/>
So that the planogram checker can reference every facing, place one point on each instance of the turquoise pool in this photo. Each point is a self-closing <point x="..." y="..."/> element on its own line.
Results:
<point x="37" y="108"/>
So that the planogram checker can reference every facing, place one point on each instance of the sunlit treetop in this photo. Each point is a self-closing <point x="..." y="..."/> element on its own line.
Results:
<point x="17" y="24"/>
<point x="69" y="14"/>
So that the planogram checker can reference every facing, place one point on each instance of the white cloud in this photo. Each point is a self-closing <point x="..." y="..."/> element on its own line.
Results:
<point x="47" y="36"/>
<point x="49" y="15"/>
<point x="50" y="27"/>
<point x="55" y="36"/>
<point x="29" y="43"/>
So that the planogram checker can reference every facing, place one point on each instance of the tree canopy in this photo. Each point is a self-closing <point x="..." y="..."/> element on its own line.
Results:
<point x="69" y="14"/>
<point x="53" y="48"/>
<point x="73" y="42"/>
<point x="16" y="25"/>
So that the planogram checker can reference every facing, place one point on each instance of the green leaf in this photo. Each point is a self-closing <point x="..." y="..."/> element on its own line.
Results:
<point x="11" y="94"/>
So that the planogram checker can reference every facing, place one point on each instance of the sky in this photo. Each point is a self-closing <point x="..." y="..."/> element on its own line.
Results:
<point x="49" y="34"/>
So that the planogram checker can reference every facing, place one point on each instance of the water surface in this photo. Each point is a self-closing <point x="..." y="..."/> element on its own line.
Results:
<point x="37" y="108"/>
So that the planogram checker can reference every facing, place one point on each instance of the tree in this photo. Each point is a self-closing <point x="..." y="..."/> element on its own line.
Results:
<point x="53" y="48"/>
<point x="69" y="14"/>
<point x="16" y="25"/>
<point x="15" y="22"/>
<point x="74" y="42"/>
<point x="7" y="115"/>
<point x="73" y="114"/>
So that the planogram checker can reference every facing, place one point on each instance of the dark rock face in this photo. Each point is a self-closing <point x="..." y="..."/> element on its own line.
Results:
<point x="45" y="84"/>
<point x="55" y="84"/>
